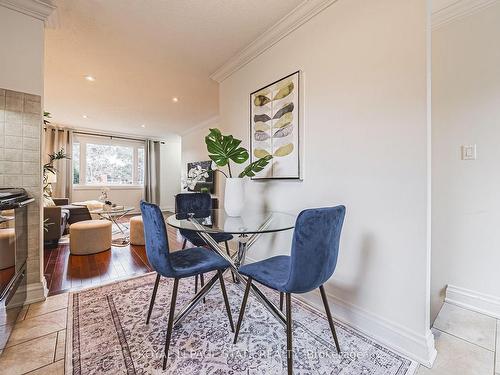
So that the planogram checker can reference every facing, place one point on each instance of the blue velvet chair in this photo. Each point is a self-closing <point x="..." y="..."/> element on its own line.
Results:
<point x="313" y="258"/>
<point x="198" y="202"/>
<point x="176" y="265"/>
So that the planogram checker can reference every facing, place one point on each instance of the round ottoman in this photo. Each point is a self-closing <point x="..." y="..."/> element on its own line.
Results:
<point x="89" y="237"/>
<point x="136" y="231"/>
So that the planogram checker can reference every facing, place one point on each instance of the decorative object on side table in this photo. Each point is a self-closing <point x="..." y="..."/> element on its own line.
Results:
<point x="109" y="206"/>
<point x="104" y="194"/>
<point x="274" y="127"/>
<point x="222" y="150"/>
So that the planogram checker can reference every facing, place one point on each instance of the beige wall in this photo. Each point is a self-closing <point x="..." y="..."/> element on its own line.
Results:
<point x="365" y="112"/>
<point x="466" y="194"/>
<point x="21" y="73"/>
<point x="171" y="167"/>
<point x="193" y="145"/>
<point x="21" y="53"/>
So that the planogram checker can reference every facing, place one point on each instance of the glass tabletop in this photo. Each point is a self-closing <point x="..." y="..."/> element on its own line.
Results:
<point x="112" y="211"/>
<point x="217" y="221"/>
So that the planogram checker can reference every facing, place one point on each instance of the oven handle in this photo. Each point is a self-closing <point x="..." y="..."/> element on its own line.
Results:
<point x="26" y="202"/>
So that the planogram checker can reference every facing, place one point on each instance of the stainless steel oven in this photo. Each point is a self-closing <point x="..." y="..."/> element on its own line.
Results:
<point x="13" y="254"/>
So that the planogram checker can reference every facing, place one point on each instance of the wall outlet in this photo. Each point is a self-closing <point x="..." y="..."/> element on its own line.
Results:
<point x="469" y="152"/>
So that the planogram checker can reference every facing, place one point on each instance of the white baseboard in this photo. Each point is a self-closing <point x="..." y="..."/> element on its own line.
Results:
<point x="408" y="343"/>
<point x="419" y="347"/>
<point x="36" y="292"/>
<point x="472" y="300"/>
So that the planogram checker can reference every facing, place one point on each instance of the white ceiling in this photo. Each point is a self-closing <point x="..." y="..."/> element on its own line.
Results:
<point x="142" y="54"/>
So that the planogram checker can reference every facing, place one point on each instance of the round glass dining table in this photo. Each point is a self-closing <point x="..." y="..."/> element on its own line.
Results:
<point x="247" y="229"/>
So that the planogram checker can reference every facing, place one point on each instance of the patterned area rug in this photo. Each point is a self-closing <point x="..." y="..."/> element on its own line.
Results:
<point x="107" y="334"/>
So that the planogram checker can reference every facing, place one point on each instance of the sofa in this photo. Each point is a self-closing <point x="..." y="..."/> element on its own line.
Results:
<point x="57" y="218"/>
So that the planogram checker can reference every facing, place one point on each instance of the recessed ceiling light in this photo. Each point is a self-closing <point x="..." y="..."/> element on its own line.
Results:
<point x="175" y="99"/>
<point x="143" y="125"/>
<point x="90" y="78"/>
<point x="85" y="116"/>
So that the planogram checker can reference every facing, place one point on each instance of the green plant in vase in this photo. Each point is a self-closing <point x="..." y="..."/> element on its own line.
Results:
<point x="224" y="149"/>
<point x="48" y="168"/>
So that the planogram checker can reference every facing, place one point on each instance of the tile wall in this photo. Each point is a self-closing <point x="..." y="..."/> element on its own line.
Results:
<point x="20" y="131"/>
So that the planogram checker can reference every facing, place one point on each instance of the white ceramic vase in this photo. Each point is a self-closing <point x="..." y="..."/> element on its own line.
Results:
<point x="234" y="196"/>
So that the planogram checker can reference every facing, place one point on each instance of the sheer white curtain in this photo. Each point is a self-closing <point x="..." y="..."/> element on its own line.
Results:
<point x="54" y="140"/>
<point x="152" y="171"/>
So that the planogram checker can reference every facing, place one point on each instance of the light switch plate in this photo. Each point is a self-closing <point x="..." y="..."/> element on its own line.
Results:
<point x="469" y="152"/>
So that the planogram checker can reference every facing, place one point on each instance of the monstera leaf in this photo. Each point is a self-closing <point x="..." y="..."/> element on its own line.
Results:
<point x="255" y="167"/>
<point x="223" y="148"/>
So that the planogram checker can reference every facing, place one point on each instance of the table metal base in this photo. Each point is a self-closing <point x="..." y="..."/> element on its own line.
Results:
<point x="244" y="243"/>
<point x="122" y="228"/>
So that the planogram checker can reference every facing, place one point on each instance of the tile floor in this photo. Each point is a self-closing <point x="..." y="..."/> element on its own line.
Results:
<point x="37" y="343"/>
<point x="468" y="343"/>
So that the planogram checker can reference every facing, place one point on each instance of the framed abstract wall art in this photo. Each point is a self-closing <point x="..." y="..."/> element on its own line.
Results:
<point x="274" y="127"/>
<point x="200" y="176"/>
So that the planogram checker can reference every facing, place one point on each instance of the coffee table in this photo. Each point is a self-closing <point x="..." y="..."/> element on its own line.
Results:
<point x="114" y="215"/>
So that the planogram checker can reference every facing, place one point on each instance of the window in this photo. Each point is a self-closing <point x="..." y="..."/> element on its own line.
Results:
<point x="140" y="166"/>
<point x="104" y="161"/>
<point x="107" y="164"/>
<point x="76" y="163"/>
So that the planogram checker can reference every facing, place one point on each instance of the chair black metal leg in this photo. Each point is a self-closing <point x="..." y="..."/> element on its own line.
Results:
<point x="202" y="284"/>
<point x="289" y="324"/>
<point x="229" y="254"/>
<point x="242" y="309"/>
<point x="329" y="316"/>
<point x="170" y="321"/>
<point x="289" y="350"/>
<point x="184" y="244"/>
<point x="281" y="301"/>
<point x="153" y="296"/>
<point x="226" y="300"/>
<point x="196" y="284"/>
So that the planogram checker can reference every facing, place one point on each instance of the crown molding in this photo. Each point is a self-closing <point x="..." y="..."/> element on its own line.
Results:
<point x="38" y="9"/>
<point x="458" y="10"/>
<point x="293" y="20"/>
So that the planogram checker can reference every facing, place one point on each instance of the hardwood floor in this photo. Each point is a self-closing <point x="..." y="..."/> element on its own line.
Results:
<point x="65" y="272"/>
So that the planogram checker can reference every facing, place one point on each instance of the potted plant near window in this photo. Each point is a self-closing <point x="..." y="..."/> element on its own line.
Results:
<point x="50" y="172"/>
<point x="224" y="149"/>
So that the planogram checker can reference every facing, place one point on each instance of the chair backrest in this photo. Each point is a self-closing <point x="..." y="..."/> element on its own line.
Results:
<point x="155" y="235"/>
<point x="315" y="248"/>
<point x="192" y="202"/>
